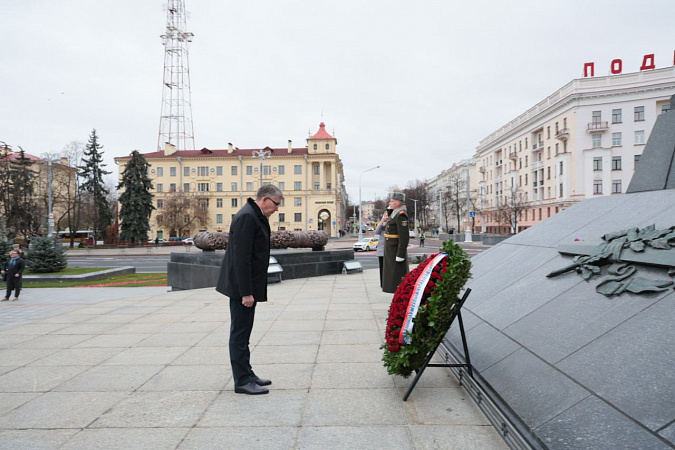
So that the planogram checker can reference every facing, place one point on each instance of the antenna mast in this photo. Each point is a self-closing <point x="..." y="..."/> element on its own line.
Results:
<point x="175" y="123"/>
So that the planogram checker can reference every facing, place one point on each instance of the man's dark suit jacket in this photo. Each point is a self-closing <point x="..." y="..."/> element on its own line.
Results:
<point x="244" y="269"/>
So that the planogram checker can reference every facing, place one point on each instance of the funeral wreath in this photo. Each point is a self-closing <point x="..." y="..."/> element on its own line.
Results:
<point x="424" y="305"/>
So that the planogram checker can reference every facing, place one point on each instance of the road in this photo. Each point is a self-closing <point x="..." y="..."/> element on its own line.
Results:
<point x="157" y="263"/>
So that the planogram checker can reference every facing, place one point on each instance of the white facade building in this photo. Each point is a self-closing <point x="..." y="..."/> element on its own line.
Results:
<point x="582" y="141"/>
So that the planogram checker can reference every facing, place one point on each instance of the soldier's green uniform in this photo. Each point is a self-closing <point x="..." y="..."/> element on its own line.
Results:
<point x="396" y="237"/>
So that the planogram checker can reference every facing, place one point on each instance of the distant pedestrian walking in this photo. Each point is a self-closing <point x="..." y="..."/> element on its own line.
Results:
<point x="422" y="237"/>
<point x="13" y="274"/>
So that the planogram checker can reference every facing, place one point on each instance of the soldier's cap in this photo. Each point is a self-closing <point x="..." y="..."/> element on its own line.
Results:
<point x="400" y="196"/>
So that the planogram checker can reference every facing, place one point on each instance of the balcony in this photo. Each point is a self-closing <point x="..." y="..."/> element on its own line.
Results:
<point x="597" y="127"/>
<point x="536" y="165"/>
<point x="537" y="146"/>
<point x="513" y="157"/>
<point x="482" y="169"/>
<point x="563" y="134"/>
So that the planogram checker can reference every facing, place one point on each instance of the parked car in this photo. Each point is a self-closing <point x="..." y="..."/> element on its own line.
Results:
<point x="175" y="239"/>
<point x="158" y="241"/>
<point x="366" y="244"/>
<point x="189" y="241"/>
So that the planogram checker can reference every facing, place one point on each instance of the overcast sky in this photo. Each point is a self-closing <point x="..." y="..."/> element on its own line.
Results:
<point x="409" y="86"/>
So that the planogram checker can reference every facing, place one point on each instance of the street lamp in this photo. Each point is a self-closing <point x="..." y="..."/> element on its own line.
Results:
<point x="50" y="220"/>
<point x="262" y="154"/>
<point x="467" y="233"/>
<point x="360" y="214"/>
<point x="415" y="225"/>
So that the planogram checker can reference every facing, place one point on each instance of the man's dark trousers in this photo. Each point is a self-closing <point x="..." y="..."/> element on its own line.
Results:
<point x="241" y="325"/>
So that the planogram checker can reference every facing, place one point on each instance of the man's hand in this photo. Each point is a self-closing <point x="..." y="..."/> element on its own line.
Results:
<point x="16" y="275"/>
<point x="247" y="301"/>
<point x="399" y="259"/>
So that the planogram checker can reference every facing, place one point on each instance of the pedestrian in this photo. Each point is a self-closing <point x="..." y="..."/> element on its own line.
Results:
<point x="12" y="274"/>
<point x="422" y="237"/>
<point x="396" y="238"/>
<point x="243" y="278"/>
<point x="379" y="250"/>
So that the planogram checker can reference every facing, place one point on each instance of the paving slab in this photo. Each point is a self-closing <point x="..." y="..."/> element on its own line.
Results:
<point x="152" y="370"/>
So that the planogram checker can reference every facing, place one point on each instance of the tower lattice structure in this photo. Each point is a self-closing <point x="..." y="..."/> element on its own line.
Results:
<point x="175" y="126"/>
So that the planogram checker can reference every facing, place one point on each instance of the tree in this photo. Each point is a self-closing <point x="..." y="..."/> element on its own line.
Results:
<point x="181" y="211"/>
<point x="24" y="214"/>
<point x="419" y="191"/>
<point x="512" y="208"/>
<point x="136" y="200"/>
<point x="69" y="194"/>
<point x="92" y="184"/>
<point x="46" y="255"/>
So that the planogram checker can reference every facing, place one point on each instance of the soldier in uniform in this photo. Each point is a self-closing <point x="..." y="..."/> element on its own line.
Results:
<point x="396" y="236"/>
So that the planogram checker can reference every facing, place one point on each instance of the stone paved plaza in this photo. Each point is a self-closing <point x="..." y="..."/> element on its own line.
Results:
<point x="145" y="368"/>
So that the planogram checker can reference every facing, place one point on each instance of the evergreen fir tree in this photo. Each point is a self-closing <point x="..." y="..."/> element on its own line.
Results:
<point x="92" y="173"/>
<point x="46" y="255"/>
<point x="5" y="248"/>
<point x="24" y="214"/>
<point x="136" y="200"/>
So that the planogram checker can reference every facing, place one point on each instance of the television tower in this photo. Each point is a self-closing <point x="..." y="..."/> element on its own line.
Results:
<point x="175" y="123"/>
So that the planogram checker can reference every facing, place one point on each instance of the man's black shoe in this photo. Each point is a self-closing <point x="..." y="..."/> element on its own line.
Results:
<point x="251" y="389"/>
<point x="262" y="382"/>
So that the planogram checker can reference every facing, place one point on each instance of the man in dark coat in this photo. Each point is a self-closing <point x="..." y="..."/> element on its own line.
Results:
<point x="13" y="272"/>
<point x="396" y="237"/>
<point x="243" y="278"/>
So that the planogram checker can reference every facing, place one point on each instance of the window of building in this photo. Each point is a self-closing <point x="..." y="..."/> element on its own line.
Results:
<point x="539" y="213"/>
<point x="249" y="170"/>
<point x="160" y="187"/>
<point x="561" y="167"/>
<point x="267" y="170"/>
<point x="249" y="186"/>
<point x="556" y="149"/>
<point x="665" y="108"/>
<point x="186" y="220"/>
<point x="172" y="187"/>
<point x="219" y="170"/>
<point x="561" y="190"/>
<point x="327" y="146"/>
<point x="316" y="147"/>
<point x="616" y="186"/>
<point x="556" y="128"/>
<point x="597" y="187"/>
<point x="616" y="139"/>
<point x="234" y="202"/>
<point x="282" y="185"/>
<point x="520" y="180"/>
<point x="525" y="143"/>
<point x="616" y="116"/>
<point x="564" y="122"/>
<point x="548" y="173"/>
<point x="282" y="170"/>
<point x="548" y="132"/>
<point x="160" y="204"/>
<point x="233" y="186"/>
<point x="160" y="171"/>
<point x="616" y="163"/>
<point x="186" y="187"/>
<point x="597" y="163"/>
<point x="204" y="204"/>
<point x="297" y="185"/>
<point x="282" y="217"/>
<point x="172" y="171"/>
<point x="636" y="161"/>
<point x="597" y="117"/>
<point x="233" y="170"/>
<point x="639" y="113"/>
<point x="219" y="187"/>
<point x="297" y="201"/>
<point x="186" y="171"/>
<point x="203" y="187"/>
<point x="316" y="169"/>
<point x="297" y="169"/>
<point x="597" y="140"/>
<point x="525" y="160"/>
<point x="317" y="186"/>
<point x="298" y="217"/>
<point x="639" y="137"/>
<point x="219" y="218"/>
<point x="525" y="179"/>
<point x="219" y="203"/>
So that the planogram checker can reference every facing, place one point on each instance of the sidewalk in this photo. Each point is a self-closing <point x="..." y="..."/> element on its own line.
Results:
<point x="151" y="370"/>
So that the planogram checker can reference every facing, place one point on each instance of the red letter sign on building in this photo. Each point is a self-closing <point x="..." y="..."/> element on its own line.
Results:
<point x="616" y="66"/>
<point x="589" y="67"/>
<point x="645" y="64"/>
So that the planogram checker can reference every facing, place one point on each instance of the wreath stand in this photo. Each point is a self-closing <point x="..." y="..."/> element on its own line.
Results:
<point x="431" y="354"/>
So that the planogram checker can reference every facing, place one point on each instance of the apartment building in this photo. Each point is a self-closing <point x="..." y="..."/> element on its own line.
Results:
<point x="310" y="177"/>
<point x="582" y="141"/>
